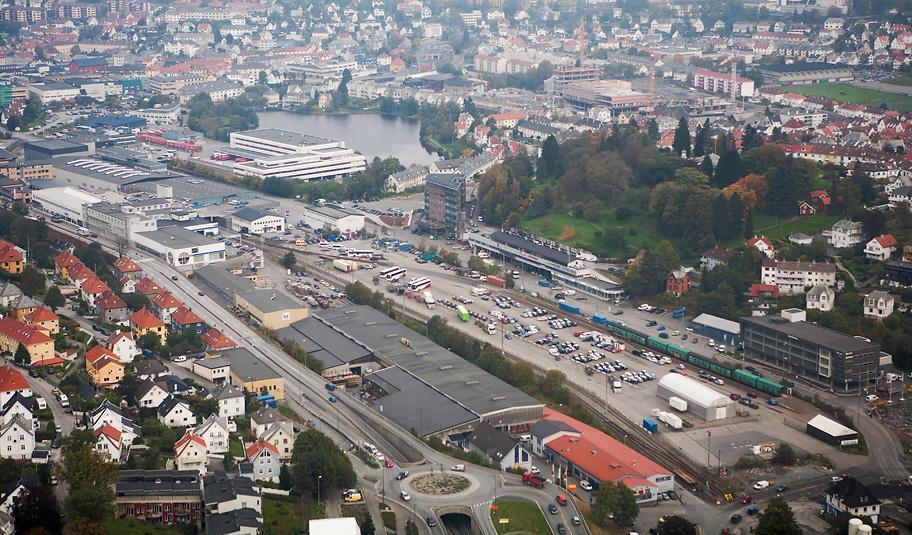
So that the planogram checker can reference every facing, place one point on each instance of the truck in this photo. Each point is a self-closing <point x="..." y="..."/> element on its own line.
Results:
<point x="429" y="300"/>
<point x="679" y="312"/>
<point x="677" y="404"/>
<point x="496" y="281"/>
<point x="405" y="246"/>
<point x="345" y="266"/>
<point x="429" y="256"/>
<point x="82" y="231"/>
<point x="650" y="425"/>
<point x="462" y="313"/>
<point x="533" y="480"/>
<point x="616" y="386"/>
<point x="479" y="291"/>
<point x="545" y="283"/>
<point x="567" y="307"/>
<point x="488" y="327"/>
<point x="671" y="420"/>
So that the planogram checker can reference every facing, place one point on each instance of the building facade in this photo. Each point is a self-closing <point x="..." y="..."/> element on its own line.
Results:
<point x="444" y="200"/>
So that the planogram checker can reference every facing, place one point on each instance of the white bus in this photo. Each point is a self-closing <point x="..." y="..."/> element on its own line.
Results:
<point x="420" y="284"/>
<point x="361" y="254"/>
<point x="393" y="274"/>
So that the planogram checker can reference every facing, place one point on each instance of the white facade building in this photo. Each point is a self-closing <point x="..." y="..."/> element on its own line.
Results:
<point x="182" y="248"/>
<point x="279" y="153"/>
<point x="878" y="305"/>
<point x="256" y="221"/>
<point x="794" y="278"/>
<point x="66" y="202"/>
<point x="845" y="233"/>
<point x="821" y="298"/>
<point x="17" y="439"/>
<point x="337" y="219"/>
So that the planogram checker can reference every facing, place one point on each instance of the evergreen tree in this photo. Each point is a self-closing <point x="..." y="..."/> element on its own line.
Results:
<point x="53" y="298"/>
<point x="550" y="165"/>
<point x="652" y="129"/>
<point x="722" y="221"/>
<point x="706" y="166"/>
<point x="681" y="143"/>
<point x="749" y="226"/>
<point x="343" y="88"/>
<point x="701" y="139"/>
<point x="736" y="211"/>
<point x="368" y="528"/>
<point x="729" y="169"/>
<point x="22" y="356"/>
<point x="777" y="519"/>
<point x="751" y="138"/>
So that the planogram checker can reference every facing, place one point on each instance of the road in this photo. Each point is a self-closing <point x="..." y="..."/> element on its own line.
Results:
<point x="342" y="421"/>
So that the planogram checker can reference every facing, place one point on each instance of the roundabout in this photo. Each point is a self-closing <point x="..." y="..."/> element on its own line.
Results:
<point x="441" y="484"/>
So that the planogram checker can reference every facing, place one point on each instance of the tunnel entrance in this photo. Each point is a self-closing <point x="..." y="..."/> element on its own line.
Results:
<point x="458" y="524"/>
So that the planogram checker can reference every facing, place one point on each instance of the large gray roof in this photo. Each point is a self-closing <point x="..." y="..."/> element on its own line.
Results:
<point x="284" y="136"/>
<point x="267" y="300"/>
<point x="324" y="342"/>
<point x="178" y="237"/>
<point x="245" y="364"/>
<point x="158" y="482"/>
<point x="814" y="334"/>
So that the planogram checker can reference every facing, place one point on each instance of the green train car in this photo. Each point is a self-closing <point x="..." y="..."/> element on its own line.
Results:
<point x="710" y="365"/>
<point x="672" y="349"/>
<point x="760" y="383"/>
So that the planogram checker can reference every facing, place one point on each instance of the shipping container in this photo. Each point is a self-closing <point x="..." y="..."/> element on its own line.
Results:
<point x="672" y="420"/>
<point x="496" y="281"/>
<point x="567" y="307"/>
<point x="770" y="387"/>
<point x="650" y="425"/>
<point x="677" y="403"/>
<point x="544" y="282"/>
<point x="406" y="246"/>
<point x="599" y="320"/>
<point x="429" y="256"/>
<point x="346" y="266"/>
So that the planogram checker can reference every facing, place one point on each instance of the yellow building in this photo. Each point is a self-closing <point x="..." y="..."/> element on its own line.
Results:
<point x="104" y="368"/>
<point x="39" y="345"/>
<point x="144" y="322"/>
<point x="12" y="260"/>
<point x="271" y="308"/>
<point x="252" y="374"/>
<point x="44" y="320"/>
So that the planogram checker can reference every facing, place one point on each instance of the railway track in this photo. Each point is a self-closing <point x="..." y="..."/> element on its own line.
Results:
<point x="614" y="422"/>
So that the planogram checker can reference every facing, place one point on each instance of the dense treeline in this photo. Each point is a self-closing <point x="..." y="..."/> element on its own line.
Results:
<point x="217" y="120"/>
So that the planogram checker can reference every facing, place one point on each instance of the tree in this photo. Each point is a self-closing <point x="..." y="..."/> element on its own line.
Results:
<point x="785" y="455"/>
<point x="681" y="143"/>
<point x="729" y="169"/>
<point x="285" y="478"/>
<point x="150" y="341"/>
<point x="652" y="129"/>
<point x="22" y="357"/>
<point x="677" y="525"/>
<point x="289" y="261"/>
<point x="91" y="481"/>
<point x="36" y="511"/>
<point x="128" y="388"/>
<point x="706" y="166"/>
<point x="343" y="88"/>
<point x="368" y="527"/>
<point x="549" y="163"/>
<point x="121" y="245"/>
<point x="722" y="220"/>
<point x="751" y="138"/>
<point x="53" y="298"/>
<point x="777" y="519"/>
<point x="701" y="139"/>
<point x="316" y="456"/>
<point x="615" y="501"/>
<point x="31" y="281"/>
<point x="787" y="184"/>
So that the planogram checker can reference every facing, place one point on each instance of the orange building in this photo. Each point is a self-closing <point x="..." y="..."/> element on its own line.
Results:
<point x="144" y="322"/>
<point x="12" y="260"/>
<point x="44" y="320"/>
<point x="104" y="367"/>
<point x="39" y="345"/>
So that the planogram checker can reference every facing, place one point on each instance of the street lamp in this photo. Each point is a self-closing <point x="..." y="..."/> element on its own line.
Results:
<point x="318" y="488"/>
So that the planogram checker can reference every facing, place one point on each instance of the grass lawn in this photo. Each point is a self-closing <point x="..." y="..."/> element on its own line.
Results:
<point x="282" y="517"/>
<point x="135" y="527"/>
<point x="554" y="225"/>
<point x="235" y="447"/>
<point x="855" y="95"/>
<point x="780" y="228"/>
<point x="902" y="79"/>
<point x="524" y="517"/>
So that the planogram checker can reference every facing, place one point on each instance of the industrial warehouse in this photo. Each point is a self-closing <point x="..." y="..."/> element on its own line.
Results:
<point x="701" y="400"/>
<point x="410" y="379"/>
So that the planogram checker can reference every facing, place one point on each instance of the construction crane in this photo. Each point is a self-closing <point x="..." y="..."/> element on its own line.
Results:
<point x="734" y="79"/>
<point x="650" y="108"/>
<point x="582" y="37"/>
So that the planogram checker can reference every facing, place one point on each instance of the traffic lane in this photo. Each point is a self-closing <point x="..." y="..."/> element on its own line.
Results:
<point x="61" y="418"/>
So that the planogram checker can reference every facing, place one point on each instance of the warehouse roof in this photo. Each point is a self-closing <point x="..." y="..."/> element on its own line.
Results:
<point x="803" y="66"/>
<point x="103" y="170"/>
<point x="267" y="300"/>
<point x="446" y="372"/>
<point x="324" y="342"/>
<point x="333" y="211"/>
<point x="246" y="365"/>
<point x="178" y="237"/>
<point x="715" y="322"/>
<point x="814" y="334"/>
<point x="221" y="280"/>
<point x="693" y="391"/>
<point x="530" y="246"/>
<point x="831" y="427"/>
<point x="252" y="214"/>
<point x="193" y="189"/>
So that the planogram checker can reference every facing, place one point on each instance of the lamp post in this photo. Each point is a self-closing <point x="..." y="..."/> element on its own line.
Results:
<point x="319" y="477"/>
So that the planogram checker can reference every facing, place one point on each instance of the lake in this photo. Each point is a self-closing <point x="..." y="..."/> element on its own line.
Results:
<point x="370" y="134"/>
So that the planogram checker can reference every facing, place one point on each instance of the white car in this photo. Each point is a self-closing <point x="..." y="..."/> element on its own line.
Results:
<point x="535" y="470"/>
<point x="404" y="495"/>
<point x="760" y="485"/>
<point x="585" y="485"/>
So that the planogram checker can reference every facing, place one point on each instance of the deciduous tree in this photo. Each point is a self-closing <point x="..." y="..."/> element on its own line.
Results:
<point x="777" y="519"/>
<point x="617" y="502"/>
<point x="91" y="480"/>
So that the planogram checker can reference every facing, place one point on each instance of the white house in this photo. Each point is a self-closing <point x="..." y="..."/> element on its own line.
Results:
<point x="262" y="419"/>
<point x="108" y="442"/>
<point x="16" y="406"/>
<point x="264" y="460"/>
<point x="878" y="304"/>
<point x="122" y="344"/>
<point x="174" y="412"/>
<point x="214" y="431"/>
<point x="281" y="435"/>
<point x="224" y="494"/>
<point x="17" y="439"/>
<point x="762" y="244"/>
<point x="794" y="278"/>
<point x="109" y="414"/>
<point x="845" y="233"/>
<point x="190" y="453"/>
<point x="256" y="221"/>
<point x="230" y="400"/>
<point x="12" y="382"/>
<point x="821" y="297"/>
<point x="881" y="247"/>
<point x="150" y="395"/>
<point x="850" y="496"/>
<point x="216" y="370"/>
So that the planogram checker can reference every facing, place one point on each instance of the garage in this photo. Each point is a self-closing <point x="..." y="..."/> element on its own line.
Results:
<point x="831" y="431"/>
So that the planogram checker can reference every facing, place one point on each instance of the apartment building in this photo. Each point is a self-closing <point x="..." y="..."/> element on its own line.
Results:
<point x="794" y="278"/>
<point x="167" y="497"/>
<point x="720" y="82"/>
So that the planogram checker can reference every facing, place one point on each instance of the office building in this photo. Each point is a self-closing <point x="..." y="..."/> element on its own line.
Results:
<point x="256" y="221"/>
<point x="720" y="82"/>
<point x="110" y="219"/>
<point x="615" y="95"/>
<point x="799" y="348"/>
<point x="182" y="248"/>
<point x="444" y="200"/>
<point x="335" y="219"/>
<point x="270" y="152"/>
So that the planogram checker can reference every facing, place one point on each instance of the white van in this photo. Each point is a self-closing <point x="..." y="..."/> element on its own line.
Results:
<point x="871" y="397"/>
<point x="41" y="403"/>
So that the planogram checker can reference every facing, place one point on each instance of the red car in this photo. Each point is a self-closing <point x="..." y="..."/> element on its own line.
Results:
<point x="734" y="397"/>
<point x="389" y="463"/>
<point x="746" y="499"/>
<point x="561" y="499"/>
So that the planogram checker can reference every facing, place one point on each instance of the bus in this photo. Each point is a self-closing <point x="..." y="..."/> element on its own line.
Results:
<point x="419" y="284"/>
<point x="393" y="274"/>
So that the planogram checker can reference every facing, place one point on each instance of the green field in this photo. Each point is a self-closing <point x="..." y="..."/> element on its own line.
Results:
<point x="903" y="80"/>
<point x="135" y="527"/>
<point x="618" y="237"/>
<point x="282" y="517"/>
<point x="780" y="228"/>
<point x="855" y="95"/>
<point x="523" y="516"/>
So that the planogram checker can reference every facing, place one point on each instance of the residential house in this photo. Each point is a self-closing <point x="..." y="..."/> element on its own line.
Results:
<point x="851" y="497"/>
<point x="124" y="267"/>
<point x="821" y="200"/>
<point x="17" y="406"/>
<point x="878" y="305"/>
<point x="24" y="305"/>
<point x="881" y="247"/>
<point x="240" y="522"/>
<point x="108" y="442"/>
<point x="264" y="459"/>
<point x="715" y="257"/>
<point x="282" y="436"/>
<point x="763" y="295"/>
<point x="222" y="494"/>
<point x="762" y="244"/>
<point x="91" y="289"/>
<point x="39" y="345"/>
<point x="148" y="288"/>
<point x="498" y="448"/>
<point x="794" y="278"/>
<point x="805" y="208"/>
<point x="150" y="369"/>
<point x="190" y="453"/>
<point x="166" y="497"/>
<point x="845" y="233"/>
<point x="231" y="401"/>
<point x="104" y="367"/>
<point x="174" y="412"/>
<point x="215" y="340"/>
<point x="821" y="297"/>
<point x="901" y="194"/>
<point x="175" y="385"/>
<point x="9" y="293"/>
<point x="262" y="419"/>
<point x="112" y="309"/>
<point x="214" y="430"/>
<point x="17" y="439"/>
<point x="165" y="304"/>
<point x="150" y="395"/>
<point x="63" y="263"/>
<point x="216" y="370"/>
<point x="10" y="495"/>
<point x="144" y="322"/>
<point x="122" y="344"/>
<point x="183" y="319"/>
<point x="109" y="414"/>
<point x="678" y="282"/>
<point x="12" y="382"/>
<point x="12" y="258"/>
<point x="43" y="320"/>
